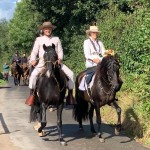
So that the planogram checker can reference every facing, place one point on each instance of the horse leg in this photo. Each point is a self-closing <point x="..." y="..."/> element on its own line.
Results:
<point x="59" y="124"/>
<point x="15" y="80"/>
<point x="19" y="80"/>
<point x="38" y="125"/>
<point x="43" y="119"/>
<point x="91" y="111"/>
<point x="98" y="120"/>
<point x="118" y="110"/>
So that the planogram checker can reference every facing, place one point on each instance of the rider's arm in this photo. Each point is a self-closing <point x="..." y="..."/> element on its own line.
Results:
<point x="59" y="50"/>
<point x="34" y="52"/>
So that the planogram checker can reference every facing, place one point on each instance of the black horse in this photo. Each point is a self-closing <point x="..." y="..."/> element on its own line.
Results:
<point x="50" y="90"/>
<point x="106" y="83"/>
<point x="17" y="72"/>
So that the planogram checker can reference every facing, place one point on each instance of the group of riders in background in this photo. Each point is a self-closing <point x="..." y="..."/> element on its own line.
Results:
<point x="19" y="68"/>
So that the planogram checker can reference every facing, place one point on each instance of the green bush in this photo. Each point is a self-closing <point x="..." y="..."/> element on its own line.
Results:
<point x="1" y="75"/>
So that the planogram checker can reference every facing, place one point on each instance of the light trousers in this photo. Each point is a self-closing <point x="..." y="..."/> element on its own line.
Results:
<point x="37" y="70"/>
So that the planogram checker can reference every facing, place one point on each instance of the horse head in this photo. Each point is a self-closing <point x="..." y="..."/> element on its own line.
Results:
<point x="109" y="70"/>
<point x="50" y="58"/>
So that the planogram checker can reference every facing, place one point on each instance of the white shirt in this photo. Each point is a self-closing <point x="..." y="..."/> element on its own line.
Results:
<point x="90" y="53"/>
<point x="39" y="51"/>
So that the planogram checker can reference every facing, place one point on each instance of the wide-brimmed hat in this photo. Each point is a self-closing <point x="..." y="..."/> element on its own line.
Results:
<point x="47" y="25"/>
<point x="93" y="29"/>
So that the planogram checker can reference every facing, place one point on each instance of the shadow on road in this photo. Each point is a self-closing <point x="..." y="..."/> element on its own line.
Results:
<point x="4" y="124"/>
<point x="71" y="132"/>
<point x="4" y="87"/>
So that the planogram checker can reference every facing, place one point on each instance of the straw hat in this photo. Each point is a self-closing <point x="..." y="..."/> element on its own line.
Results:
<point x="93" y="29"/>
<point x="47" y="25"/>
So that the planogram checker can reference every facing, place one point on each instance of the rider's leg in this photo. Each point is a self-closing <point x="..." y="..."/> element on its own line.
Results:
<point x="33" y="78"/>
<point x="70" y="100"/>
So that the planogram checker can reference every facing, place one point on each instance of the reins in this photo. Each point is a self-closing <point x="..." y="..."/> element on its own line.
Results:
<point x="54" y="63"/>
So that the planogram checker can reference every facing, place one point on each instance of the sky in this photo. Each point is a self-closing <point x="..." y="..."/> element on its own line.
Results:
<point x="7" y="8"/>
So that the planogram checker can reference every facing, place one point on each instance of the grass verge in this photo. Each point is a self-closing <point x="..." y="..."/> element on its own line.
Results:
<point x="134" y="124"/>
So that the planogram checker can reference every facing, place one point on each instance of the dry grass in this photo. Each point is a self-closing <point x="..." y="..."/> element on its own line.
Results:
<point x="131" y="122"/>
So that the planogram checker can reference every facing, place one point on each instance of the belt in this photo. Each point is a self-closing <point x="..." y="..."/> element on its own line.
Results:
<point x="95" y="53"/>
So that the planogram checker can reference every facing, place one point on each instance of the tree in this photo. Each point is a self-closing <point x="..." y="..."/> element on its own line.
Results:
<point x="23" y="27"/>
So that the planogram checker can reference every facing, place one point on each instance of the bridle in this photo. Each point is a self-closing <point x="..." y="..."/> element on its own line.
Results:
<point x="52" y="75"/>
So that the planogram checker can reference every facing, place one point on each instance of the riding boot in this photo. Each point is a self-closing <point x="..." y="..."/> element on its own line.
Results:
<point x="70" y="100"/>
<point x="30" y="100"/>
<point x="31" y="91"/>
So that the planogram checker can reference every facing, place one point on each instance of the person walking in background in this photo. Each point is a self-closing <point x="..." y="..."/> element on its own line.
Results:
<point x="6" y="71"/>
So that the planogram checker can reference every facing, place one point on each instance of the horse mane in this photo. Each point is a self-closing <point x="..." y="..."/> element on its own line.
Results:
<point x="102" y="65"/>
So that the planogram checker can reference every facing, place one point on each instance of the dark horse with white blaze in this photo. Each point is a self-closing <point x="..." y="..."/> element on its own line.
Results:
<point x="50" y="90"/>
<point x="106" y="83"/>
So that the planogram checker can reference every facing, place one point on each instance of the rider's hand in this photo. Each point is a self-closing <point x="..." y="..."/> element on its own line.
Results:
<point x="96" y="60"/>
<point x="33" y="62"/>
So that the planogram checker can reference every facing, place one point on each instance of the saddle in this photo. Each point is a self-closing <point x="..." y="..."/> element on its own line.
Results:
<point x="89" y="74"/>
<point x="87" y="78"/>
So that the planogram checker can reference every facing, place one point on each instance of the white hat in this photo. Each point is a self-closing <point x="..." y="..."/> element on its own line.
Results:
<point x="93" y="29"/>
<point x="47" y="25"/>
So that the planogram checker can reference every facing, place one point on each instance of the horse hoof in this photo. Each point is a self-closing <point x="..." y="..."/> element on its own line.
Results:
<point x="101" y="140"/>
<point x="41" y="134"/>
<point x="63" y="143"/>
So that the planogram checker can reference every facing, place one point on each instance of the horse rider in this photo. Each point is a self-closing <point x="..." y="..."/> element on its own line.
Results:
<point x="48" y="39"/>
<point x="93" y="51"/>
<point x="24" y="59"/>
<point x="16" y="58"/>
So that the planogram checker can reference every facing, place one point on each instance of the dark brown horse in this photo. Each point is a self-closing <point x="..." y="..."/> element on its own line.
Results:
<point x="106" y="83"/>
<point x="17" y="72"/>
<point x="50" y="90"/>
<point x="25" y="76"/>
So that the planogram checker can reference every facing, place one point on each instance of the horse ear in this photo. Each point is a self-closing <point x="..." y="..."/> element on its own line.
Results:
<point x="44" y="47"/>
<point x="53" y="46"/>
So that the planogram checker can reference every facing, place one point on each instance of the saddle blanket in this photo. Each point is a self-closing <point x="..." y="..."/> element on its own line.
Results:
<point x="83" y="85"/>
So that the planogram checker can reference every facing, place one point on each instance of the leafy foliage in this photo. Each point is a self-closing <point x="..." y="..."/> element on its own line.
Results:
<point x="23" y="27"/>
<point x="124" y="27"/>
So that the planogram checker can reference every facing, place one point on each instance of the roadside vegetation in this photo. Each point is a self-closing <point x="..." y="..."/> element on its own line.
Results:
<point x="124" y="26"/>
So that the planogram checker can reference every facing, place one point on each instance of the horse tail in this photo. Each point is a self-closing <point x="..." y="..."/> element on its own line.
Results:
<point x="80" y="110"/>
<point x="35" y="112"/>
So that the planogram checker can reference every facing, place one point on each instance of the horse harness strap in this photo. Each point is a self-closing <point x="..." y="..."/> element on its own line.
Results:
<point x="107" y="93"/>
<point x="96" y="51"/>
<point x="58" y="84"/>
<point x="90" y="95"/>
